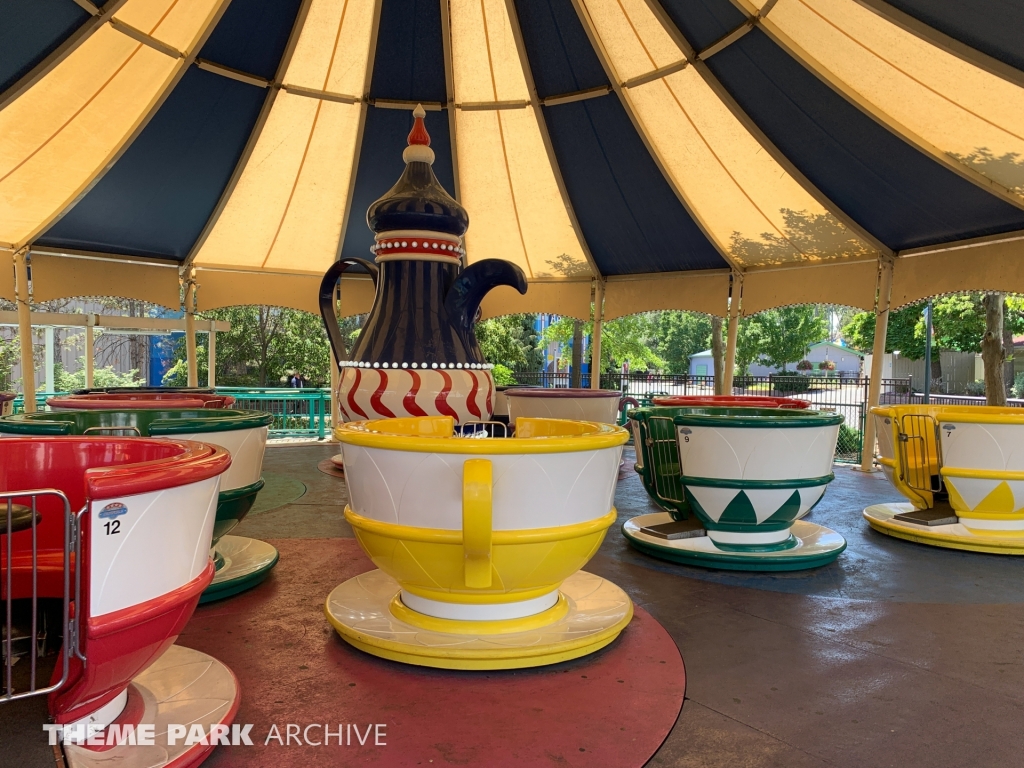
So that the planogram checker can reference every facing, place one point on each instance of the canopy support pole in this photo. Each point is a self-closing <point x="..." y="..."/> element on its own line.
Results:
<point x="190" y="332"/>
<point x="595" y="342"/>
<point x="28" y="367"/>
<point x="885" y="266"/>
<point x="734" y="324"/>
<point x="211" y="357"/>
<point x="48" y="360"/>
<point x="90" y="322"/>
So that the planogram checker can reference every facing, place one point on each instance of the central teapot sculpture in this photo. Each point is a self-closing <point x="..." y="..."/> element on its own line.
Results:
<point x="417" y="353"/>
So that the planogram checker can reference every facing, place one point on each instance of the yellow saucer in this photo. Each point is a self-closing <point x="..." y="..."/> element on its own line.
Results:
<point x="360" y="610"/>
<point x="955" y="536"/>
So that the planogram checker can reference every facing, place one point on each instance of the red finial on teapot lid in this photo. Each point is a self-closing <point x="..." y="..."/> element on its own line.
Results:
<point x="418" y="134"/>
<point x="419" y="150"/>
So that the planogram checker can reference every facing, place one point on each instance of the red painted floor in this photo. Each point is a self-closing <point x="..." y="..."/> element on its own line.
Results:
<point x="614" y="708"/>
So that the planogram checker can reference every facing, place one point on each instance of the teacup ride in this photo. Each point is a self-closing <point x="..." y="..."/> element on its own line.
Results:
<point x="152" y="398"/>
<point x="241" y="562"/>
<point x="731" y="401"/>
<point x="961" y="469"/>
<point x="734" y="483"/>
<point x="7" y="403"/>
<point x="479" y="542"/>
<point x="144" y="514"/>
<point x="578" y="404"/>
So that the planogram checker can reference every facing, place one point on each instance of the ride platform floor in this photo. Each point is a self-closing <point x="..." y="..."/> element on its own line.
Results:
<point x="897" y="654"/>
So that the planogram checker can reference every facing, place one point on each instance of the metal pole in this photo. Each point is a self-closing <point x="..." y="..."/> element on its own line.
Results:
<point x="28" y="366"/>
<point x="595" y="344"/>
<point x="885" y="266"/>
<point x="211" y="356"/>
<point x="190" y="333"/>
<point x="48" y="360"/>
<point x="734" y="326"/>
<point x="90" y="321"/>
<point x="928" y="352"/>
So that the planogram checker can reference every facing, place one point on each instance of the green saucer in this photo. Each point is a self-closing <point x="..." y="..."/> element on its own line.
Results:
<point x="242" y="563"/>
<point x="814" y="547"/>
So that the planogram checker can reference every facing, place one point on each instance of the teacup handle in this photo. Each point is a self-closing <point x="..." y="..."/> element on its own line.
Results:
<point x="476" y="522"/>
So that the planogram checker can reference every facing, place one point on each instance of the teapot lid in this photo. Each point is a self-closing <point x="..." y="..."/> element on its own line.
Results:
<point x="418" y="201"/>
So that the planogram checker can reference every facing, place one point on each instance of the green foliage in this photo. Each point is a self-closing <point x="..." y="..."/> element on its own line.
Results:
<point x="101" y="377"/>
<point x="900" y="336"/>
<point x="975" y="388"/>
<point x="1018" y="386"/>
<point x="849" y="443"/>
<point x="503" y="377"/>
<point x="9" y="352"/>
<point x="791" y="383"/>
<point x="509" y="340"/>
<point x="958" y="323"/>
<point x="626" y="339"/>
<point x="778" y="337"/>
<point x="681" y="335"/>
<point x="264" y="343"/>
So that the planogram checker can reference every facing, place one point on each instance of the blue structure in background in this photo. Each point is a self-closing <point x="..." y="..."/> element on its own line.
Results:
<point x="161" y="350"/>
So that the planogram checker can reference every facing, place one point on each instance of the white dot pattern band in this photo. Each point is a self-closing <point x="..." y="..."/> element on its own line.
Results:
<point x="445" y="366"/>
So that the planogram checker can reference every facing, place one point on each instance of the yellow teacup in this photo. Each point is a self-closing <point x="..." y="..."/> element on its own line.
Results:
<point x="480" y="529"/>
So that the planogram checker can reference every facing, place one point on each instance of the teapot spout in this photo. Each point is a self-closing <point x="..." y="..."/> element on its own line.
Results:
<point x="464" y="297"/>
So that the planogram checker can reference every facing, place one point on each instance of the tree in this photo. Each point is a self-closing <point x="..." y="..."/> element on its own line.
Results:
<point x="509" y="340"/>
<point x="992" y="351"/>
<point x="901" y="335"/>
<point x="629" y="339"/>
<point x="264" y="343"/>
<point x="777" y="337"/>
<point x="681" y="335"/>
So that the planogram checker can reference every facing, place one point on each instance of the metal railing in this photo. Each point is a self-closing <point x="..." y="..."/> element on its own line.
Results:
<point x="31" y="640"/>
<point x="297" y="412"/>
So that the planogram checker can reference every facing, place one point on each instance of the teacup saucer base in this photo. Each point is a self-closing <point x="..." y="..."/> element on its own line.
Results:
<point x="247" y="562"/>
<point x="881" y="517"/>
<point x="360" y="609"/>
<point x="815" y="546"/>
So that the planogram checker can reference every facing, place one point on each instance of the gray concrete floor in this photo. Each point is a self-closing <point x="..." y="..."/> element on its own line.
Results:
<point x="896" y="655"/>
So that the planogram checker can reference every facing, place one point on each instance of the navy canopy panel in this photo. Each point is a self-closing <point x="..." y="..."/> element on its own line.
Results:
<point x="381" y="165"/>
<point x="703" y="22"/>
<point x="252" y="35"/>
<point x="409" y="63"/>
<point x="995" y="27"/>
<point x="631" y="218"/>
<point x="893" y="190"/>
<point x="157" y="198"/>
<point x="560" y="54"/>
<point x="30" y="30"/>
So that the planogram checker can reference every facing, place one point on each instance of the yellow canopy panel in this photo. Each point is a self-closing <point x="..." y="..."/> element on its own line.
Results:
<point x="751" y="207"/>
<point x="69" y="126"/>
<point x="288" y="208"/>
<point x="962" y="115"/>
<point x="506" y="178"/>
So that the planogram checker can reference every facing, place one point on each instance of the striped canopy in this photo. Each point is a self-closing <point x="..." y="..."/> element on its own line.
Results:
<point x="673" y="150"/>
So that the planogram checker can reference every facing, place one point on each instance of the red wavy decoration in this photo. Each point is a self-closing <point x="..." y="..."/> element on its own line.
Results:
<point x="441" y="402"/>
<point x="471" y="400"/>
<point x="352" y="395"/>
<point x="409" y="401"/>
<point x="490" y="390"/>
<point x="375" y="402"/>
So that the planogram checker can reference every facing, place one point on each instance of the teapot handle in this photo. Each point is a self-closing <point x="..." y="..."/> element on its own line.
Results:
<point x="477" y="527"/>
<point x="330" y="317"/>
